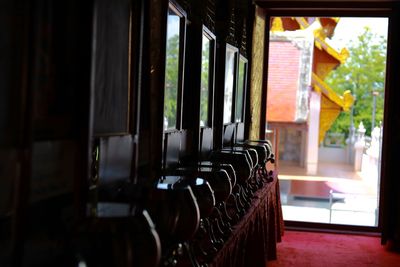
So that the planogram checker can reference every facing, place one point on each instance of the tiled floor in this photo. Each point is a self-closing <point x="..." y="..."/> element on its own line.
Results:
<point x="336" y="194"/>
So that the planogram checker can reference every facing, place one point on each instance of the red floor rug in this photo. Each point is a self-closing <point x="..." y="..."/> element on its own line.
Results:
<point x="309" y="249"/>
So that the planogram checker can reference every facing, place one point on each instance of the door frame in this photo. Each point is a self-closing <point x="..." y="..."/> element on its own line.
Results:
<point x="329" y="8"/>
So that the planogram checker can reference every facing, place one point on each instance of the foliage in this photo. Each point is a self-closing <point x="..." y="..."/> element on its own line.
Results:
<point x="205" y="71"/>
<point x="363" y="73"/>
<point x="171" y="80"/>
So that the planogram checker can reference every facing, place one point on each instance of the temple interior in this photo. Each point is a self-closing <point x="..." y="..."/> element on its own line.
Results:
<point x="133" y="132"/>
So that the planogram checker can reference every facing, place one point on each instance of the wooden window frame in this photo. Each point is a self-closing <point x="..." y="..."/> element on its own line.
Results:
<point x="235" y="50"/>
<point x="246" y="68"/>
<point x="178" y="10"/>
<point x="211" y="78"/>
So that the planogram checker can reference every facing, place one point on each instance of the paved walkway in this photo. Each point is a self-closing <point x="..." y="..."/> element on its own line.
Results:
<point x="307" y="197"/>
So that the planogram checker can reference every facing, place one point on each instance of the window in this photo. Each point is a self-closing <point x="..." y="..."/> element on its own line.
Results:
<point x="230" y="83"/>
<point x="175" y="46"/>
<point x="207" y="77"/>
<point x="241" y="89"/>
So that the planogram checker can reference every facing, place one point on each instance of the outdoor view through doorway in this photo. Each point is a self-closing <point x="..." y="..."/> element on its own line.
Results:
<point x="325" y="102"/>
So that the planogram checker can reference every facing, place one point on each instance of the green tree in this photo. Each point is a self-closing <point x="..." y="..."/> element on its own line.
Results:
<point x="205" y="76"/>
<point x="171" y="80"/>
<point x="363" y="74"/>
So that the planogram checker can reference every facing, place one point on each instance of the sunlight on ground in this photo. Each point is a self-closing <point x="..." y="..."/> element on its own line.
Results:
<point x="349" y="198"/>
<point x="321" y="215"/>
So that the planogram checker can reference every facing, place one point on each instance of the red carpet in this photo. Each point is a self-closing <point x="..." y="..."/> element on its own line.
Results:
<point x="308" y="249"/>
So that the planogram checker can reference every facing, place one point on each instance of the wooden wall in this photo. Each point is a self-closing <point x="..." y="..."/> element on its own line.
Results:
<point x="257" y="74"/>
<point x="76" y="75"/>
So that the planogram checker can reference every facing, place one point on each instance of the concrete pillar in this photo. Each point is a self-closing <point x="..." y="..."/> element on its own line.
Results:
<point x="359" y="147"/>
<point x="358" y="154"/>
<point x="351" y="140"/>
<point x="313" y="133"/>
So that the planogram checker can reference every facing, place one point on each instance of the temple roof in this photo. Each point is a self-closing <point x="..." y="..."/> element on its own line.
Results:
<point x="344" y="102"/>
<point x="281" y="100"/>
<point x="321" y="44"/>
<point x="331" y="104"/>
<point x="301" y="23"/>
<point x="289" y="23"/>
<point x="329" y="24"/>
<point x="326" y="58"/>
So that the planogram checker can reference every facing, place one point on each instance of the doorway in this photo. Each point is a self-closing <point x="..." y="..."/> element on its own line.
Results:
<point x="325" y="102"/>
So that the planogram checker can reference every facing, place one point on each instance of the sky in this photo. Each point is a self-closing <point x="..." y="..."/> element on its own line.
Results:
<point x="349" y="28"/>
<point x="173" y="26"/>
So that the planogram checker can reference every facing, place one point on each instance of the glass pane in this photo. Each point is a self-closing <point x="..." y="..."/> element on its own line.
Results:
<point x="205" y="76"/>
<point x="240" y="91"/>
<point x="229" y="82"/>
<point x="171" y="71"/>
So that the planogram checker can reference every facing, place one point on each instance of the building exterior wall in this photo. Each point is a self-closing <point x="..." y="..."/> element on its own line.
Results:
<point x="283" y="81"/>
<point x="290" y="145"/>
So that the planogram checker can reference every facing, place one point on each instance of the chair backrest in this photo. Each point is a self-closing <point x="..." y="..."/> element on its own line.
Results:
<point x="115" y="159"/>
<point x="172" y="146"/>
<point x="186" y="149"/>
<point x="229" y="135"/>
<point x="206" y="142"/>
<point x="239" y="132"/>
